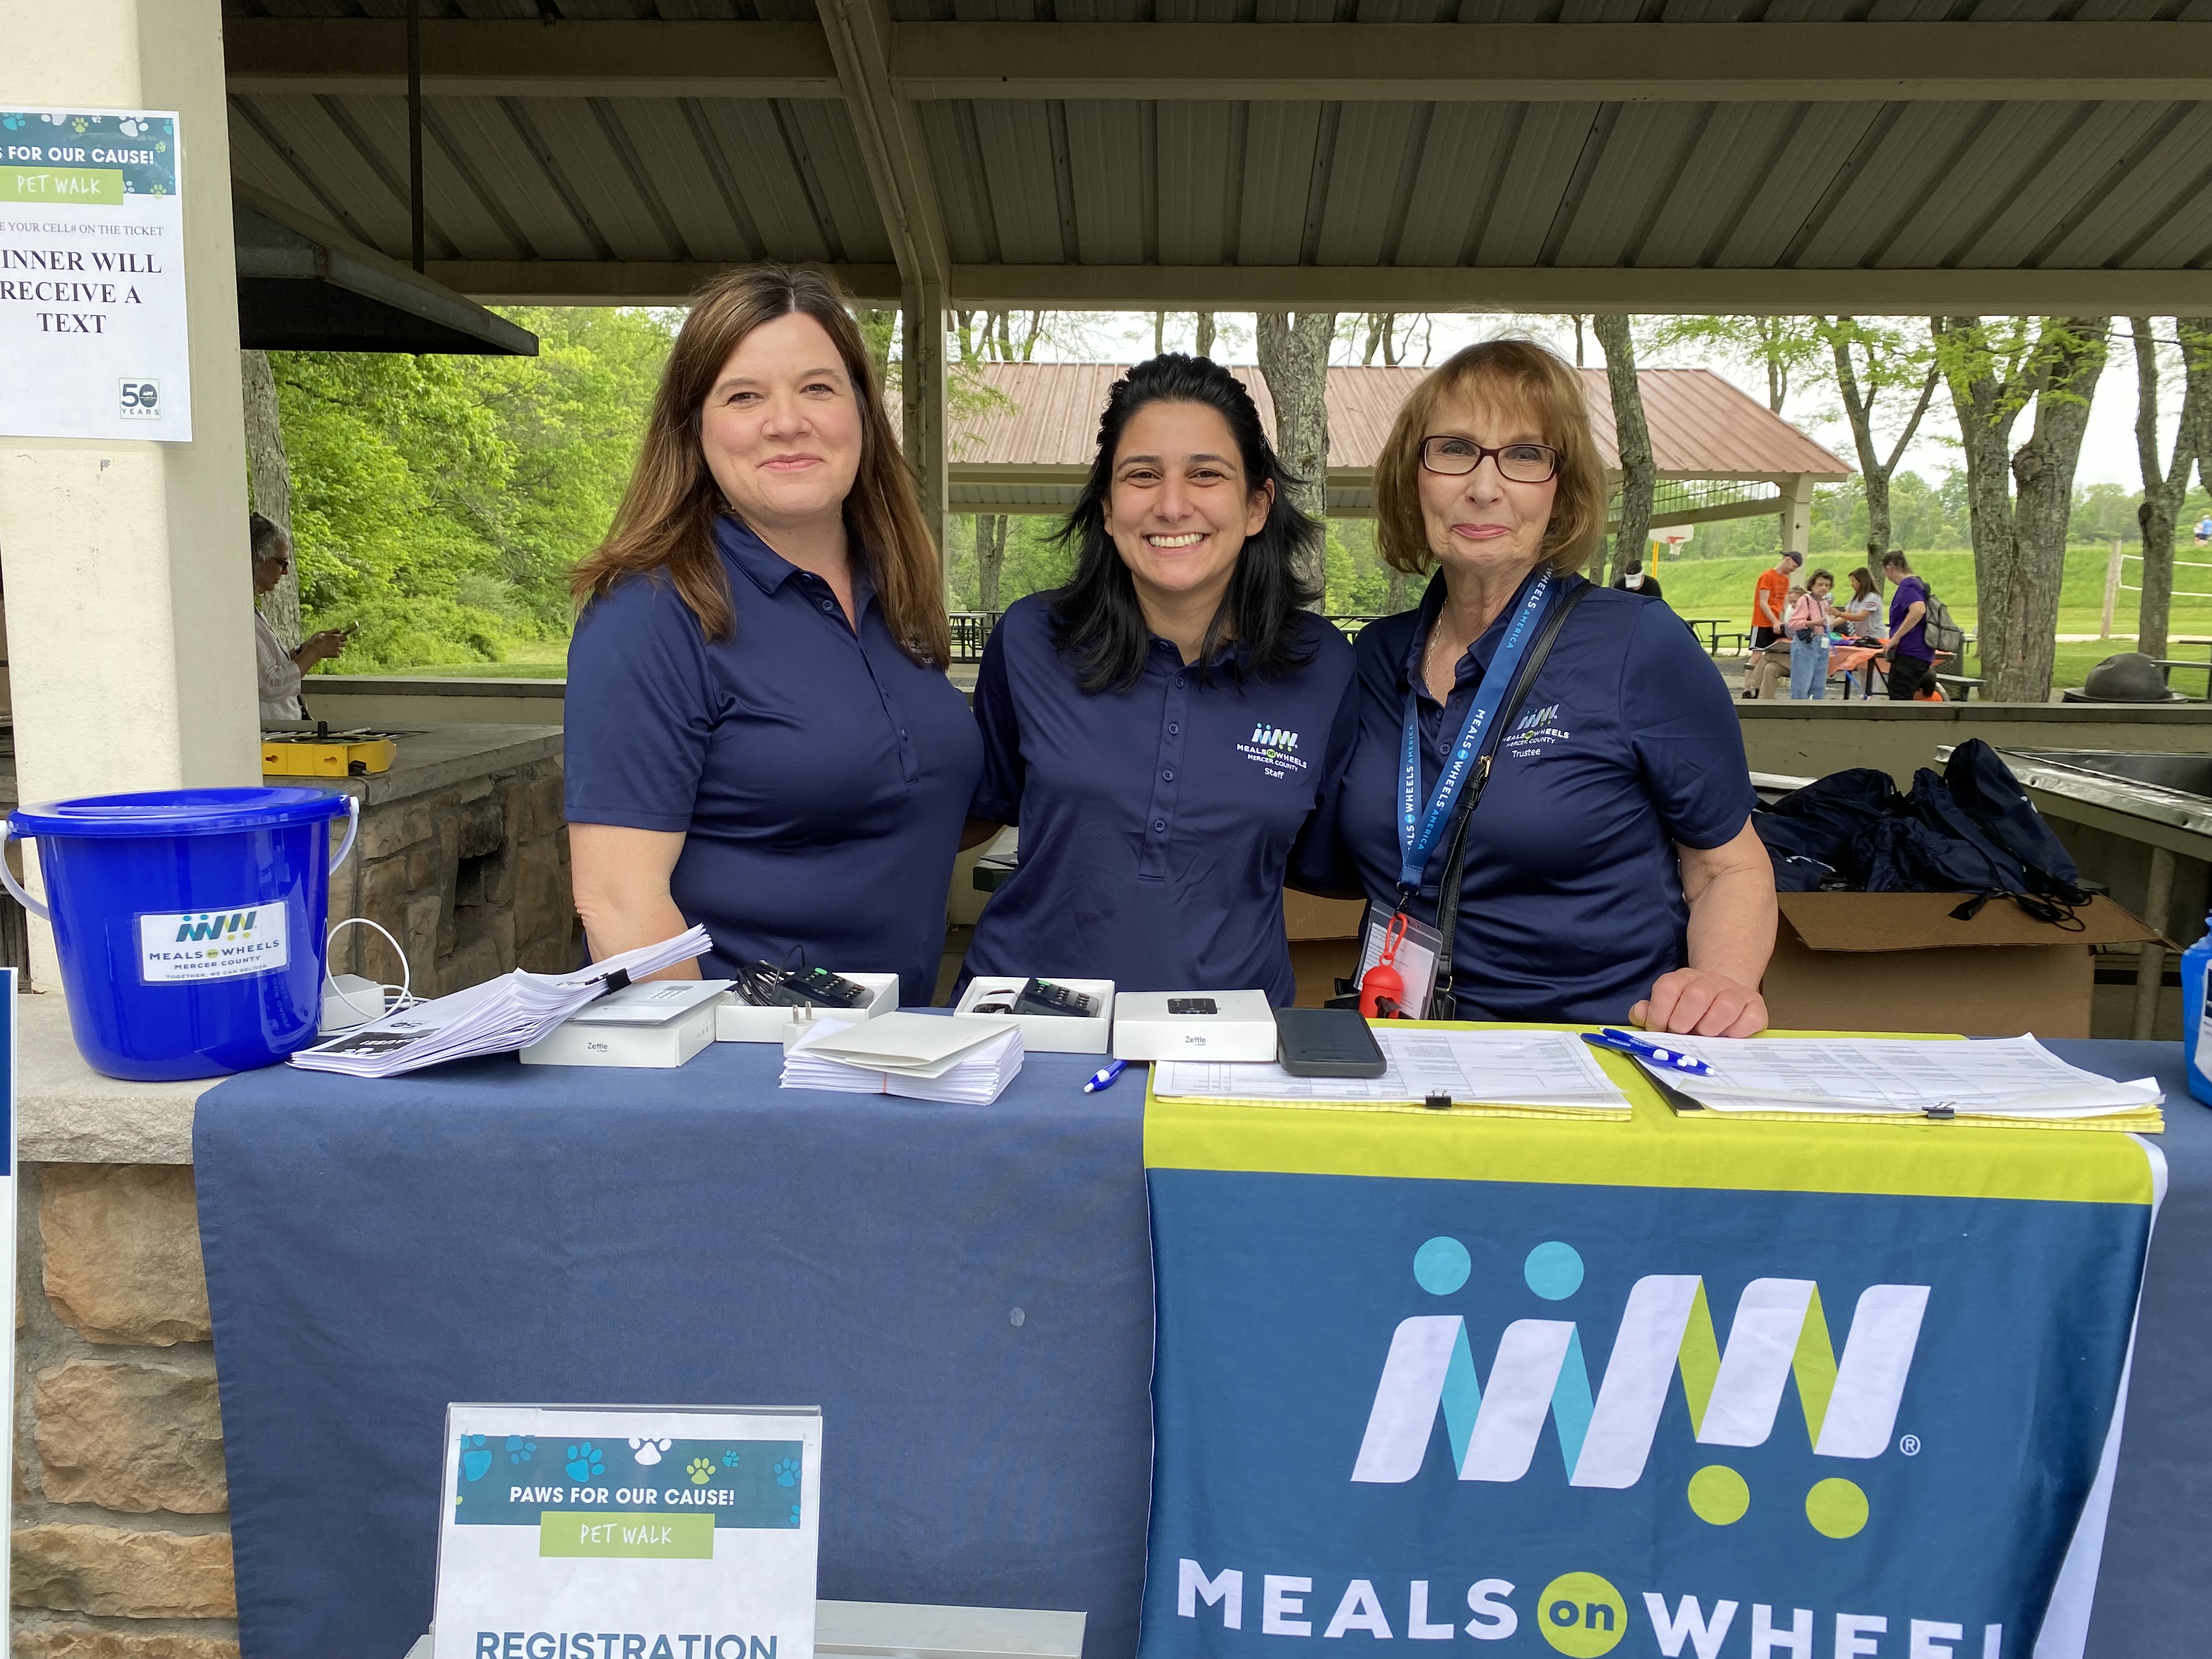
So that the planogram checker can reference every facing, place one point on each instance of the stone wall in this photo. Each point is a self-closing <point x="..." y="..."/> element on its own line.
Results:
<point x="472" y="879"/>
<point x="122" y="1544"/>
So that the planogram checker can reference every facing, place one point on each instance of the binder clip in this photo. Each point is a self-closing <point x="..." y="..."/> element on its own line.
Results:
<point x="1438" y="1102"/>
<point x="1942" y="1111"/>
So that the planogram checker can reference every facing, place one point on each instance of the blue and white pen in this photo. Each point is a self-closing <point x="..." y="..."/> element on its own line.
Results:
<point x="1644" y="1048"/>
<point x="1104" y="1076"/>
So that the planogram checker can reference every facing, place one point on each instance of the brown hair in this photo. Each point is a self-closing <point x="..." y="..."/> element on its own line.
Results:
<point x="1498" y="372"/>
<point x="1862" y="582"/>
<point x="666" y="519"/>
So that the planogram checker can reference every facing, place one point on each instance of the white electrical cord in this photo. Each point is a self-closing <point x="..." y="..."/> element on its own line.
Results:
<point x="384" y="993"/>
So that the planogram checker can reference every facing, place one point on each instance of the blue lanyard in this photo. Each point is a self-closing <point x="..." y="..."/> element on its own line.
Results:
<point x="1418" y="831"/>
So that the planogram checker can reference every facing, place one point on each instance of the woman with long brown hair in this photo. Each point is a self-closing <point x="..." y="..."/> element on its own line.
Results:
<point x="761" y="737"/>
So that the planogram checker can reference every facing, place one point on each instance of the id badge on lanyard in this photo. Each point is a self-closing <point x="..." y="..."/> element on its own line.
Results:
<point x="1391" y="948"/>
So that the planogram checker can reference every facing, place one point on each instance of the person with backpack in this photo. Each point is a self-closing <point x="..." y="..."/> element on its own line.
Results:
<point x="1811" y="616"/>
<point x="1909" y="661"/>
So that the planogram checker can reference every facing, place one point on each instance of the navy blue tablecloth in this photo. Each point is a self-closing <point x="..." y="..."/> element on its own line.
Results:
<point x="966" y="1291"/>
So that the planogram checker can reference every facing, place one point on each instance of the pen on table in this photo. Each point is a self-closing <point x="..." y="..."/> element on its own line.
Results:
<point x="1104" y="1076"/>
<point x="1643" y="1048"/>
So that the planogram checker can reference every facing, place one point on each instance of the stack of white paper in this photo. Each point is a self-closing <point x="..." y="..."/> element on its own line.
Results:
<point x="2013" y="1076"/>
<point x="966" y="1058"/>
<point x="493" y="1017"/>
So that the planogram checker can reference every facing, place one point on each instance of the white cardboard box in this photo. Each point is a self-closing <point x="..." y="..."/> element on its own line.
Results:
<point x="1241" y="1026"/>
<point x="741" y="1021"/>
<point x="660" y="1048"/>
<point x="1051" y="1033"/>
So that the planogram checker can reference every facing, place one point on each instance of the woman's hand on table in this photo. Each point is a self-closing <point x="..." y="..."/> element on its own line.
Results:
<point x="1699" y="1002"/>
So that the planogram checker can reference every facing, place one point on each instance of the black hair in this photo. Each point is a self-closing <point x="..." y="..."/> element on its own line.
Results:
<point x="1895" y="559"/>
<point x="262" y="535"/>
<point x="1096" y="619"/>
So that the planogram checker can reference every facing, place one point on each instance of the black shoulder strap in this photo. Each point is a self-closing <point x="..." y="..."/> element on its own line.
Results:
<point x="1442" y="1005"/>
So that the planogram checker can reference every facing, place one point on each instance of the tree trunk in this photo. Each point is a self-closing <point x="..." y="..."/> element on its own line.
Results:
<point x="1874" y="470"/>
<point x="269" y="484"/>
<point x="1639" y="478"/>
<point x="1987" y="406"/>
<point x="1294" y="357"/>
<point x="990" y="558"/>
<point x="1159" y="332"/>
<point x="1205" y="334"/>
<point x="1393" y="596"/>
<point x="2165" y="489"/>
<point x="2072" y="351"/>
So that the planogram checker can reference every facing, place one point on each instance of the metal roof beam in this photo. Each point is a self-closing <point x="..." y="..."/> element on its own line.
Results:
<point x="464" y="57"/>
<point x="1450" y="63"/>
<point x="1684" y="292"/>
<point x="1546" y="63"/>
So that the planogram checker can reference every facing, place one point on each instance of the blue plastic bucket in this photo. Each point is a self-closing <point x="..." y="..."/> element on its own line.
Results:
<point x="190" y="922"/>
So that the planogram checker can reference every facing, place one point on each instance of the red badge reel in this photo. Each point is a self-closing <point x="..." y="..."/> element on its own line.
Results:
<point x="1382" y="988"/>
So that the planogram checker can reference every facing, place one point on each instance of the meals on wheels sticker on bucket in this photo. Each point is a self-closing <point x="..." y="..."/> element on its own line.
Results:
<point x="195" y="944"/>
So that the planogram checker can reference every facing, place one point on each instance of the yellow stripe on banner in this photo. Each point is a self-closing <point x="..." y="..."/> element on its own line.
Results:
<point x="1652" y="1148"/>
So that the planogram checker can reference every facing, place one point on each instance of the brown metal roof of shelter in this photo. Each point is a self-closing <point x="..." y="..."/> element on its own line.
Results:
<point x="1028" y="449"/>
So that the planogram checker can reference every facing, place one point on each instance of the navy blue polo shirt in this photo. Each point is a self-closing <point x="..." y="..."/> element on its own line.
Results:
<point x="819" y="775"/>
<point x="1156" y="822"/>
<point x="1572" y="901"/>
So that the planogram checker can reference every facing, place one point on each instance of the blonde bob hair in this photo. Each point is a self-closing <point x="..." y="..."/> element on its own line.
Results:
<point x="1505" y="375"/>
<point x="665" y="523"/>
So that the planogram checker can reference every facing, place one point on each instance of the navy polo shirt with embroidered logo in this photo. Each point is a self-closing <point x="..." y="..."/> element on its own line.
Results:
<point x="818" y="774"/>
<point x="1156" y="822"/>
<point x="1572" y="901"/>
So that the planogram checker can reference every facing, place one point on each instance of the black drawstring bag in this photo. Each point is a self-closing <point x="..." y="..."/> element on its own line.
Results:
<point x="1986" y="791"/>
<point x="1823" y="820"/>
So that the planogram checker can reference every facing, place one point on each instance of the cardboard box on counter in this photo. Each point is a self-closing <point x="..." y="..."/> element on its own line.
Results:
<point x="1901" y="962"/>
<point x="1324" y="936"/>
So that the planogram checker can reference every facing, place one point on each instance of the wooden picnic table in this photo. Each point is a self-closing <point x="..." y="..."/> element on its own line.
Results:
<point x="1712" y="626"/>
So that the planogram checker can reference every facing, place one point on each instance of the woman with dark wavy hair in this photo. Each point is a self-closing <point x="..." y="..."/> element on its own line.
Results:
<point x="1156" y="727"/>
<point x="761" y="736"/>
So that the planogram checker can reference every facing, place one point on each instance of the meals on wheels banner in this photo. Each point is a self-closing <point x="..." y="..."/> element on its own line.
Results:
<point x="606" y="1532"/>
<point x="1752" y="1390"/>
<point x="92" y="275"/>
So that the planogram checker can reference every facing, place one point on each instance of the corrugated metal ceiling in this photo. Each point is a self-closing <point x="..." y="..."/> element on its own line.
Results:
<point x="1819" y="186"/>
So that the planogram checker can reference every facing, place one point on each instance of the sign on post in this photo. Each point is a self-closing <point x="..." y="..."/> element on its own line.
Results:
<point x="614" y="1532"/>
<point x="92" y="275"/>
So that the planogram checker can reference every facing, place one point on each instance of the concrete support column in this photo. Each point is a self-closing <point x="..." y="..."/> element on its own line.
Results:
<point x="1796" y="514"/>
<point x="130" y="599"/>
<point x="921" y="381"/>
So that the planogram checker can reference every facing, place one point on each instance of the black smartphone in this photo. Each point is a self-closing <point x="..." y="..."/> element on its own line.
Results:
<point x="1327" y="1042"/>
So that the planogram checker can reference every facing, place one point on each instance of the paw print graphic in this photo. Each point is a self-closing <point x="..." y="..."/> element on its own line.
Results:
<point x="585" y="1460"/>
<point x="786" y="1472"/>
<point x="476" y="1457"/>
<point x="129" y="127"/>
<point x="12" y="121"/>
<point x="647" y="1451"/>
<point x="730" y="1460"/>
<point x="519" y="1448"/>
<point x="701" y="1471"/>
<point x="794" y="1515"/>
<point x="78" y="124"/>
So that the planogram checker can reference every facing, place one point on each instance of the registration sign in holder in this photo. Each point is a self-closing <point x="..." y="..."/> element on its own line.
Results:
<point x="613" y="1532"/>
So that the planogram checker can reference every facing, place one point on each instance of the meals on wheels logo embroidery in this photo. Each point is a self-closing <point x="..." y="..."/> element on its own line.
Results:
<point x="1274" y="749"/>
<point x="1536" y="731"/>
<point x="1779" y="1333"/>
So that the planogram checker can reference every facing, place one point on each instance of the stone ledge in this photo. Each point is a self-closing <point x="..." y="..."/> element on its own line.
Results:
<point x="105" y="1642"/>
<point x="71" y="1568"/>
<point x="67" y="1113"/>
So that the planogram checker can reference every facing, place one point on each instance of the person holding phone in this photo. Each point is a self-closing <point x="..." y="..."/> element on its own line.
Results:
<point x="276" y="669"/>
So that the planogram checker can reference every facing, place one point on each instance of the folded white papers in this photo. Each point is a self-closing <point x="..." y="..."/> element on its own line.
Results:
<point x="493" y="1018"/>
<point x="967" y="1061"/>
<point x="2009" y="1076"/>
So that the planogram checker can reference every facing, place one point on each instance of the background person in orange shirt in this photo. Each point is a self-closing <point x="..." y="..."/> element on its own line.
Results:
<point x="1769" y="601"/>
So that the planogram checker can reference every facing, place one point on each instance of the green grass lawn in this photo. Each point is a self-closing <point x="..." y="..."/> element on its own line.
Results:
<point x="525" y="659"/>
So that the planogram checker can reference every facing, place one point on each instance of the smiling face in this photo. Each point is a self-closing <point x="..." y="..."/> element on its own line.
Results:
<point x="780" y="429"/>
<point x="1180" y="510"/>
<point x="1483" y="521"/>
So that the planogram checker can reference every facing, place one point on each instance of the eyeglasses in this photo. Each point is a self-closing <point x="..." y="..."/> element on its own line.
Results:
<point x="1454" y="458"/>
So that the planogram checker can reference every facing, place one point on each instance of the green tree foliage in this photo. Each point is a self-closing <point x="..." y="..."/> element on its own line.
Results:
<point x="438" y="502"/>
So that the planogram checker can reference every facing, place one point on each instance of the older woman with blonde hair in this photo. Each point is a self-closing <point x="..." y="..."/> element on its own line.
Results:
<point x="1552" y="768"/>
<point x="761" y="736"/>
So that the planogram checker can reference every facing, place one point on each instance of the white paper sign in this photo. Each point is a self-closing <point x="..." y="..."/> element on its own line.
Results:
<point x="618" y="1533"/>
<point x="186" y="946"/>
<point x="8" y="989"/>
<point x="92" y="275"/>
